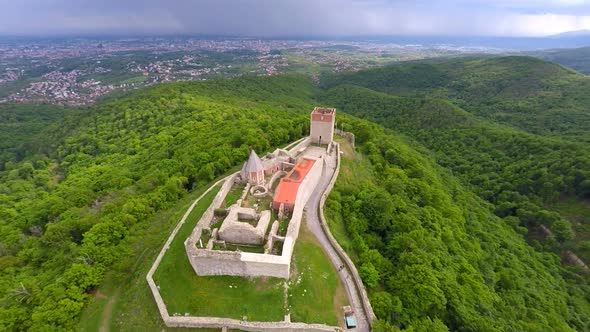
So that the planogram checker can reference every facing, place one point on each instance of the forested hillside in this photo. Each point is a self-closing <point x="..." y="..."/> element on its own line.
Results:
<point x="521" y="167"/>
<point x="433" y="255"/>
<point x="528" y="93"/>
<point x="65" y="215"/>
<point x="575" y="58"/>
<point x="21" y="128"/>
<point x="458" y="163"/>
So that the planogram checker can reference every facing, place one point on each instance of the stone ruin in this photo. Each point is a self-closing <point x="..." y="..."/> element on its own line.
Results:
<point x="236" y="227"/>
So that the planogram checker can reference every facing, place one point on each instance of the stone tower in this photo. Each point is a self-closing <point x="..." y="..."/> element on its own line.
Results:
<point x="253" y="170"/>
<point x="322" y="125"/>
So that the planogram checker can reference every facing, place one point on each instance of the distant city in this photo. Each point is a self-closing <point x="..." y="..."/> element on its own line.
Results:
<point x="79" y="71"/>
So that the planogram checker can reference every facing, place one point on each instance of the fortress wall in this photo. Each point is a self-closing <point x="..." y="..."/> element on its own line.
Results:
<point x="292" y="144"/>
<point x="266" y="265"/>
<point x="206" y="219"/>
<point x="234" y="324"/>
<point x="303" y="144"/>
<point x="245" y="264"/>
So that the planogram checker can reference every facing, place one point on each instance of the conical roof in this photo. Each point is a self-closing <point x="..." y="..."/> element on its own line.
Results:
<point x="254" y="164"/>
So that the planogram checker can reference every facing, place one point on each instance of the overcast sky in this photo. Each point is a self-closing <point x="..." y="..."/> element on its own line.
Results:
<point x="294" y="17"/>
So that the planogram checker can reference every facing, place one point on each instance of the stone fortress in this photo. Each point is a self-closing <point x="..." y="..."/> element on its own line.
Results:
<point x="251" y="227"/>
<point x="255" y="234"/>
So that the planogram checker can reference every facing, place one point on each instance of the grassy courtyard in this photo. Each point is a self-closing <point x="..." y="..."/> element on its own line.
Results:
<point x="233" y="195"/>
<point x="224" y="296"/>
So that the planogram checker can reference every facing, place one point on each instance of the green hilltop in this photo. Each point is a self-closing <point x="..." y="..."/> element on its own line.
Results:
<point x="524" y="92"/>
<point x="458" y="165"/>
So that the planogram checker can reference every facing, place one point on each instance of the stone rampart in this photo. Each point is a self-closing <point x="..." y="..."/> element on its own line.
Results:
<point x="234" y="324"/>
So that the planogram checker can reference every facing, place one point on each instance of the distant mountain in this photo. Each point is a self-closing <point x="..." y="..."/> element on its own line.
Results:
<point x="525" y="92"/>
<point x="577" y="59"/>
<point x="572" y="34"/>
<point x="571" y="39"/>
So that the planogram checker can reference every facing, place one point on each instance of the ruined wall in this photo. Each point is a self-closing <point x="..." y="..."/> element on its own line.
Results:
<point x="347" y="135"/>
<point x="297" y="148"/>
<point x="235" y="231"/>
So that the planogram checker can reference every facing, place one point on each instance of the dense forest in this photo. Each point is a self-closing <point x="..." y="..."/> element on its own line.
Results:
<point x="458" y="164"/>
<point x="22" y="128"/>
<point x="520" y="165"/>
<point x="575" y="58"/>
<point x="526" y="93"/>
<point x="520" y="173"/>
<point x="434" y="256"/>
<point x="65" y="214"/>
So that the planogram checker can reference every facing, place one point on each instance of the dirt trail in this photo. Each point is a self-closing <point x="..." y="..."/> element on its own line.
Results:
<point x="107" y="312"/>
<point x="105" y="318"/>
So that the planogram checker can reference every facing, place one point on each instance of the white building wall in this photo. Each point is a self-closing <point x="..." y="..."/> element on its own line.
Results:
<point x="323" y="129"/>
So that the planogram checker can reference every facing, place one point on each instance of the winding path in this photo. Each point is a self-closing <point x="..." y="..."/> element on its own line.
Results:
<point x="313" y="217"/>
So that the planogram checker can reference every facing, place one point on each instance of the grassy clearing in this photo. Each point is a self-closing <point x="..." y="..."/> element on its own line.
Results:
<point x="132" y="307"/>
<point x="578" y="213"/>
<point x="316" y="294"/>
<point x="233" y="195"/>
<point x="223" y="296"/>
<point x="136" y="79"/>
<point x="352" y="170"/>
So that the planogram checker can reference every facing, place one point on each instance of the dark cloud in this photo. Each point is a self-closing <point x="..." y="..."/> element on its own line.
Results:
<point x="294" y="17"/>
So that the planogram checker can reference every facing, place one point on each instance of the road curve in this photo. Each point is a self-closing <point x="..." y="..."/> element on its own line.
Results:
<point x="314" y="225"/>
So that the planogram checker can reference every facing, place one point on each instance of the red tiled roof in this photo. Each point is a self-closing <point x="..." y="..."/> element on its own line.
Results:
<point x="287" y="189"/>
